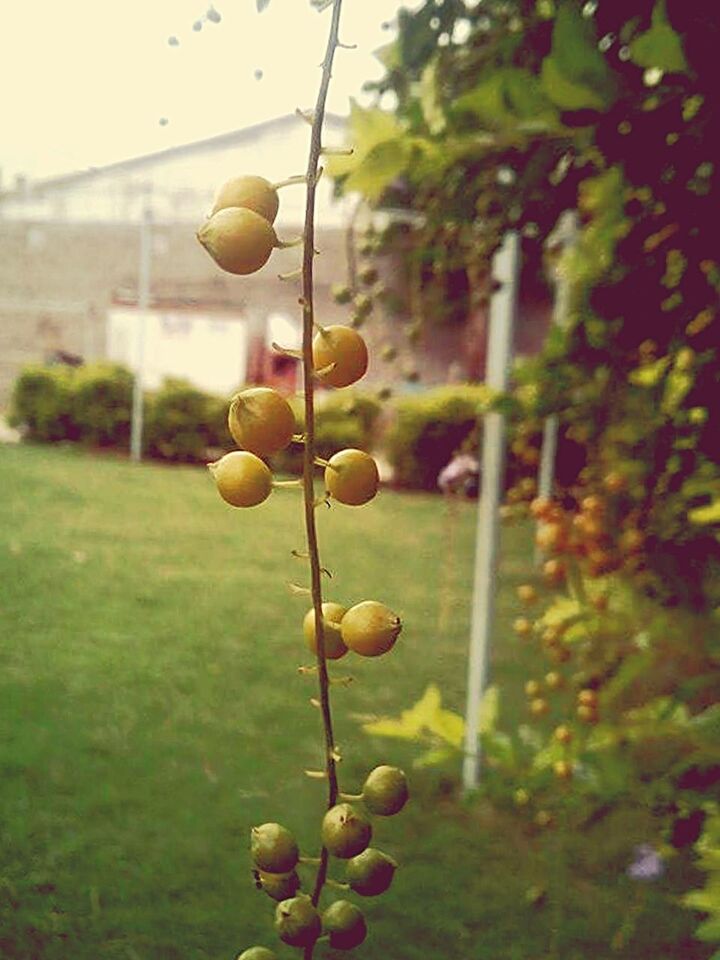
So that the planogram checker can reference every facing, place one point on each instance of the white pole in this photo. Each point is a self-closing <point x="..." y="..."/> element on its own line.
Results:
<point x="500" y="337"/>
<point x="143" y="302"/>
<point x="565" y="234"/>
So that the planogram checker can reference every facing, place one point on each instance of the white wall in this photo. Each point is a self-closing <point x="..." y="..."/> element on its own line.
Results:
<point x="208" y="350"/>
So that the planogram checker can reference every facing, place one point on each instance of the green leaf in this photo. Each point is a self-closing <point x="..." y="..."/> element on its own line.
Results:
<point x="568" y="94"/>
<point x="649" y="374"/>
<point x="705" y="515"/>
<point x="509" y="98"/>
<point x="261" y="5"/>
<point x="448" y="726"/>
<point x="575" y="75"/>
<point x="659" y="46"/>
<point x="412" y="721"/>
<point x="435" y="757"/>
<point x="489" y="710"/>
<point x="379" y="167"/>
<point x="389" y="56"/>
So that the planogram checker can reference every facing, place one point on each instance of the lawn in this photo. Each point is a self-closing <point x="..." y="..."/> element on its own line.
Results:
<point x="151" y="712"/>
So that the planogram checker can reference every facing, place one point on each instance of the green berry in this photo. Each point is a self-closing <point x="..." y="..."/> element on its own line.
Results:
<point x="341" y="293"/>
<point x="385" y="792"/>
<point x="257" y="953"/>
<point x="297" y="922"/>
<point x="345" y="832"/>
<point x="279" y="886"/>
<point x="370" y="873"/>
<point x="273" y="848"/>
<point x="346" y="925"/>
<point x="368" y="275"/>
<point x="363" y="305"/>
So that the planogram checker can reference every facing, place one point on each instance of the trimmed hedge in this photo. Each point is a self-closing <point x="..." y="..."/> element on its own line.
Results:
<point x="429" y="428"/>
<point x="184" y="424"/>
<point x="343" y="419"/>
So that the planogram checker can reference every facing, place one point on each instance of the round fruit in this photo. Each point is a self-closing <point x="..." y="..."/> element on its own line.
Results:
<point x="563" y="769"/>
<point x="239" y="240"/>
<point x="587" y="713"/>
<point x="532" y="688"/>
<point x="279" y="886"/>
<point x="554" y="680"/>
<point x="370" y="628"/>
<point x="242" y="479"/>
<point x="297" y="922"/>
<point x="273" y="848"/>
<point x="563" y="734"/>
<point x="253" y="193"/>
<point x="370" y="873"/>
<point x="539" y="707"/>
<point x="344" y="348"/>
<point x="345" y="832"/>
<point x="332" y="615"/>
<point x="352" y="477"/>
<point x="261" y="421"/>
<point x="522" y="627"/>
<point x="554" y="571"/>
<point x="543" y="818"/>
<point x="385" y="791"/>
<point x="257" y="953"/>
<point x="527" y="593"/>
<point x="521" y="797"/>
<point x="341" y="293"/>
<point x="346" y="925"/>
<point x="388" y="352"/>
<point x="368" y="275"/>
<point x="588" y="697"/>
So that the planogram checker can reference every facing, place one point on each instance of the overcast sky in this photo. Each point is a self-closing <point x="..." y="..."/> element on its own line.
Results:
<point x="87" y="82"/>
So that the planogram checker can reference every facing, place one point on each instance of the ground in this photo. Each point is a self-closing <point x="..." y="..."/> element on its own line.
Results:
<point x="152" y="712"/>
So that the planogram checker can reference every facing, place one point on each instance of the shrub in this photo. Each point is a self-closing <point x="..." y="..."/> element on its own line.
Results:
<point x="429" y="428"/>
<point x="42" y="403"/>
<point x="101" y="403"/>
<point x="342" y="420"/>
<point x="182" y="423"/>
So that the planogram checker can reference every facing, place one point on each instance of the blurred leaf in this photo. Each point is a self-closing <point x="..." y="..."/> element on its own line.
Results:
<point x="489" y="710"/>
<point x="261" y="5"/>
<point x="659" y="46"/>
<point x="568" y="94"/>
<point x="507" y="97"/>
<point x="705" y="515"/>
<point x="429" y="100"/>
<point x="379" y="167"/>
<point x="411" y="721"/>
<point x="649" y="374"/>
<point x="389" y="56"/>
<point x="435" y="756"/>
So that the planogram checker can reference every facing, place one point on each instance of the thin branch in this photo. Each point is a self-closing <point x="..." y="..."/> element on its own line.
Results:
<point x="309" y="449"/>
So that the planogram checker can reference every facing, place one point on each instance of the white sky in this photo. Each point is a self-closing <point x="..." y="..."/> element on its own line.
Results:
<point x="86" y="82"/>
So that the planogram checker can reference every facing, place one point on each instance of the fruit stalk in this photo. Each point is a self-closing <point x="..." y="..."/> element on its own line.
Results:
<point x="309" y="449"/>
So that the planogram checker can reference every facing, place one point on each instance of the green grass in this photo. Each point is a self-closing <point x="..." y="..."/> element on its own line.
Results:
<point x="151" y="712"/>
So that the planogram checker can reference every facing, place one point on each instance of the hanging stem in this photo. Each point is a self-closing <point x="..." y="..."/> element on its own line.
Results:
<point x="309" y="449"/>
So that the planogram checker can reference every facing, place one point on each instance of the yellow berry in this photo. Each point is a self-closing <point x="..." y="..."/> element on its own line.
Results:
<point x="242" y="479"/>
<point x="352" y="477"/>
<point x="239" y="240"/>
<point x="370" y="628"/>
<point x="254" y="193"/>
<point x="332" y="615"/>
<point x="343" y="350"/>
<point x="261" y="421"/>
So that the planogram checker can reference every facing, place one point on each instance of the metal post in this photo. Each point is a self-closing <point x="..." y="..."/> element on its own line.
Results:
<point x="500" y="338"/>
<point x="565" y="234"/>
<point x="143" y="302"/>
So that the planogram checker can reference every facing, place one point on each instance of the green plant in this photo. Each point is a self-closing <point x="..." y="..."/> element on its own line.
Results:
<point x="182" y="423"/>
<point x="101" y="400"/>
<point x="240" y="241"/>
<point x="41" y="402"/>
